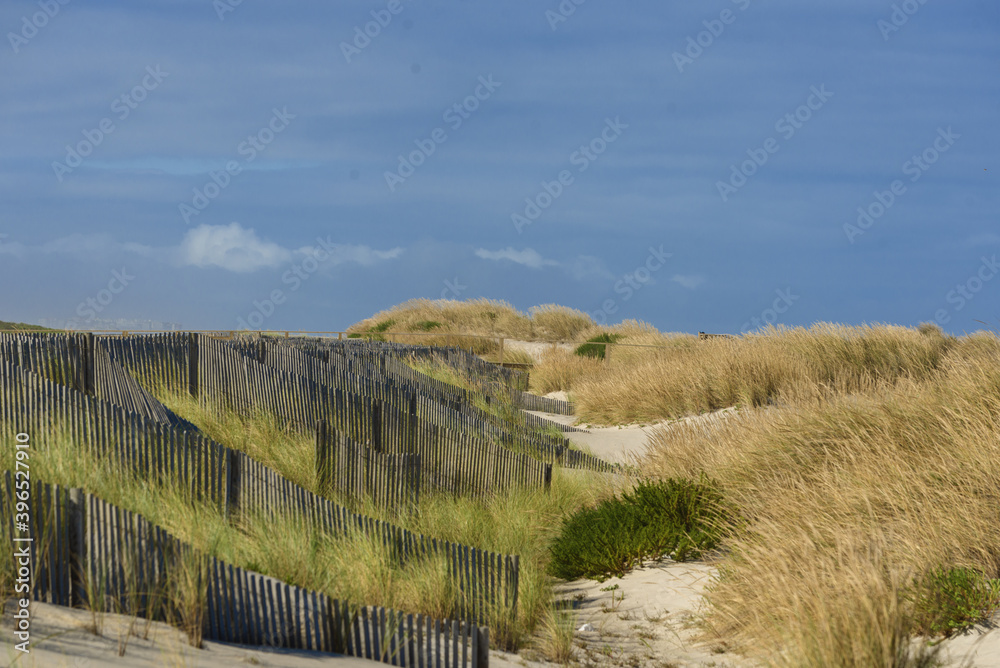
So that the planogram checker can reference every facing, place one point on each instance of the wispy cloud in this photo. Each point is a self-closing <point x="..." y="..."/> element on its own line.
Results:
<point x="231" y="247"/>
<point x="82" y="246"/>
<point x="341" y="253"/>
<point x="582" y="267"/>
<point x="528" y="257"/>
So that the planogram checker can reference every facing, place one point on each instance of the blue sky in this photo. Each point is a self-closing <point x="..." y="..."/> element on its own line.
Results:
<point x="693" y="165"/>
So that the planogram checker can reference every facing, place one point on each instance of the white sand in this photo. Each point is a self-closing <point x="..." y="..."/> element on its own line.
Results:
<point x="650" y="627"/>
<point x="535" y="348"/>
<point x="977" y="648"/>
<point x="626" y="443"/>
<point x="60" y="638"/>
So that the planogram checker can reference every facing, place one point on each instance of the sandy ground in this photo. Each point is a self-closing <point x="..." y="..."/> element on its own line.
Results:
<point x="625" y="443"/>
<point x="61" y="638"/>
<point x="642" y="620"/>
<point x="977" y="648"/>
<point x="535" y="348"/>
<point x="645" y="618"/>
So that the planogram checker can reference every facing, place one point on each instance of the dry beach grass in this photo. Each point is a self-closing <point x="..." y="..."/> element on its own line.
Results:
<point x="853" y="496"/>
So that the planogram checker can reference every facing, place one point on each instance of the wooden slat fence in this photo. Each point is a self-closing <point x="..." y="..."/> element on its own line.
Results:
<point x="156" y="361"/>
<point x="544" y="450"/>
<point x="114" y="384"/>
<point x="533" y="402"/>
<point x="538" y="422"/>
<point x="118" y="438"/>
<point x="358" y="472"/>
<point x="61" y="358"/>
<point x="395" y="430"/>
<point x="455" y="462"/>
<point x="488" y="582"/>
<point x="82" y="362"/>
<point x="87" y="552"/>
<point x="239" y="484"/>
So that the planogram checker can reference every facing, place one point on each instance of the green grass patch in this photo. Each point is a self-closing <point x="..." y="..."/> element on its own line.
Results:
<point x="676" y="517"/>
<point x="951" y="600"/>
<point x="22" y="327"/>
<point x="427" y="325"/>
<point x="595" y="346"/>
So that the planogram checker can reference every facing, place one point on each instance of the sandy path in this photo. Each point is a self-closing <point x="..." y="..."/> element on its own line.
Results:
<point x="642" y="620"/>
<point x="535" y="348"/>
<point x="625" y="443"/>
<point x="977" y="648"/>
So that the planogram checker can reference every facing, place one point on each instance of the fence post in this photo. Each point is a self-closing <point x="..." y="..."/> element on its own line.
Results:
<point x="483" y="655"/>
<point x="76" y="513"/>
<point x="548" y="477"/>
<point x="88" y="353"/>
<point x="324" y="477"/>
<point x="376" y="408"/>
<point x="232" y="483"/>
<point x="193" y="364"/>
<point x="412" y="422"/>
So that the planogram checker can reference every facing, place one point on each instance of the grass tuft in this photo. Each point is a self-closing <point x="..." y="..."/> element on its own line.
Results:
<point x="596" y="345"/>
<point x="676" y="517"/>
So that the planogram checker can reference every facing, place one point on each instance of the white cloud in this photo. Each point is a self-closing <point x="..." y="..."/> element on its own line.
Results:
<point x="340" y="253"/>
<point x="529" y="257"/>
<point x="689" y="282"/>
<point x="231" y="247"/>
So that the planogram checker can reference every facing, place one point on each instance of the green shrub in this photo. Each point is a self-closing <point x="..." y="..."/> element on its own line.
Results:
<point x="595" y="346"/>
<point x="427" y="325"/>
<point x="382" y="326"/>
<point x="947" y="601"/>
<point x="676" y="517"/>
